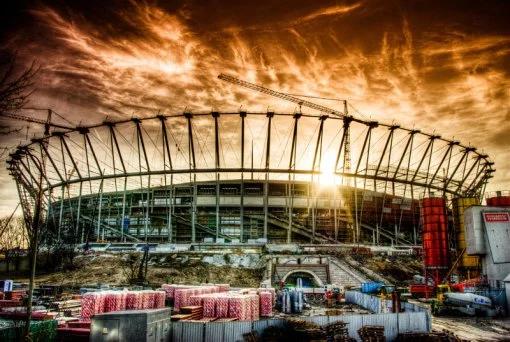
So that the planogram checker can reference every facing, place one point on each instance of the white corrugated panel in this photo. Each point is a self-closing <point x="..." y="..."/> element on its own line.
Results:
<point x="404" y="324"/>
<point x="320" y="320"/>
<point x="192" y="332"/>
<point x="260" y="326"/>
<point x="350" y="297"/>
<point x="214" y="331"/>
<point x="418" y="321"/>
<point x="354" y="323"/>
<point x="388" y="321"/>
<point x="176" y="331"/>
<point x="234" y="331"/>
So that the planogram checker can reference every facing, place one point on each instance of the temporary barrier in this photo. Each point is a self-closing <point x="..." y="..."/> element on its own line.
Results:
<point x="393" y="323"/>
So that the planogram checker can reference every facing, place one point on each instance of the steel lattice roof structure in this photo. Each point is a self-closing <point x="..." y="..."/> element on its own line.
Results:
<point x="164" y="150"/>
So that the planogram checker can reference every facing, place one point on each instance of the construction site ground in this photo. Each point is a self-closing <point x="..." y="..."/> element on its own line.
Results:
<point x="397" y="270"/>
<point x="113" y="269"/>
<point x="473" y="328"/>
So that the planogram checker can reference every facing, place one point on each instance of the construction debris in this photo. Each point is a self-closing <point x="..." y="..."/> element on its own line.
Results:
<point x="372" y="333"/>
<point x="337" y="332"/>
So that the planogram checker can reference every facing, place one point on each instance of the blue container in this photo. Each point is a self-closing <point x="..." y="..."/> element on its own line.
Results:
<point x="6" y="285"/>
<point x="371" y="287"/>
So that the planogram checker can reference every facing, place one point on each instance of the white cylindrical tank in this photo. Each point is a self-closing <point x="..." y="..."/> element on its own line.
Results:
<point x="462" y="299"/>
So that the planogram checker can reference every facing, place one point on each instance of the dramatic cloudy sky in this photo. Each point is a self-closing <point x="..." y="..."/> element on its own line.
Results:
<point x="437" y="65"/>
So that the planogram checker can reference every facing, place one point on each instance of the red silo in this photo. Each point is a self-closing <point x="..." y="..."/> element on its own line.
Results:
<point x="499" y="199"/>
<point x="435" y="236"/>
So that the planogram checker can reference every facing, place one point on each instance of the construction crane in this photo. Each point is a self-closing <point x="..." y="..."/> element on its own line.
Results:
<point x="47" y="123"/>
<point x="344" y="115"/>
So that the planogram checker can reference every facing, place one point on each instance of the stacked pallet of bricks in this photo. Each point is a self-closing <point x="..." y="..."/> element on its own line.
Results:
<point x="266" y="304"/>
<point x="93" y="303"/>
<point x="170" y="290"/>
<point x="242" y="305"/>
<point x="372" y="333"/>
<point x="181" y="295"/>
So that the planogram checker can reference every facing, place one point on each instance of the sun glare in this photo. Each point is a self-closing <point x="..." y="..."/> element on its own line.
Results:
<point x="327" y="176"/>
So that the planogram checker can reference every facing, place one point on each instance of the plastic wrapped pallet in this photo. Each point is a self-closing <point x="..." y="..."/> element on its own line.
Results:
<point x="223" y="287"/>
<point x="88" y="305"/>
<point x="151" y="299"/>
<point x="147" y="299"/>
<point x="247" y="303"/>
<point x="169" y="290"/>
<point x="159" y="299"/>
<point x="254" y="307"/>
<point x="110" y="301"/>
<point x="239" y="307"/>
<point x="122" y="304"/>
<point x="195" y="300"/>
<point x="132" y="300"/>
<point x="210" y="306"/>
<point x="181" y="298"/>
<point x="270" y="290"/>
<point x="222" y="306"/>
<point x="266" y="304"/>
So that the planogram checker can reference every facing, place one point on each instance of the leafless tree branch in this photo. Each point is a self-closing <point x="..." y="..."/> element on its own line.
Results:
<point x="15" y="89"/>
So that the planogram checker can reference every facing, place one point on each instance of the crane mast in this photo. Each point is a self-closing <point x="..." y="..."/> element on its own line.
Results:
<point x="47" y="123"/>
<point x="344" y="115"/>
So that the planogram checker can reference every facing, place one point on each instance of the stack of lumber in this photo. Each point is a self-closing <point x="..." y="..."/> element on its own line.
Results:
<point x="337" y="331"/>
<point x="372" y="333"/>
<point x="306" y="331"/>
<point x="10" y="303"/>
<point x="72" y="306"/>
<point x="180" y="317"/>
<point x="15" y="295"/>
<point x="202" y="320"/>
<point x="196" y="312"/>
<point x="428" y="337"/>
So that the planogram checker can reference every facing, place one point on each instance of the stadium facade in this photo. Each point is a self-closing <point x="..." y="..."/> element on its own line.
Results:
<point x="239" y="176"/>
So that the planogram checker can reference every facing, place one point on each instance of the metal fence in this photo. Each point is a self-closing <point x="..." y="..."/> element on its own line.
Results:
<point x="394" y="323"/>
<point x="378" y="305"/>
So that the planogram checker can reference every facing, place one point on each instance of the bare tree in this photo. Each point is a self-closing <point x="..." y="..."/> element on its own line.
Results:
<point x="15" y="88"/>
<point x="13" y="240"/>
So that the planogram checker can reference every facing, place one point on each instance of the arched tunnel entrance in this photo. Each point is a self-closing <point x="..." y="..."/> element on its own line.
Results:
<point x="309" y="278"/>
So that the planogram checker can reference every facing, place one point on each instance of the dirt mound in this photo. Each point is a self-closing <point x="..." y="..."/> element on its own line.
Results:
<point x="112" y="269"/>
<point x="397" y="269"/>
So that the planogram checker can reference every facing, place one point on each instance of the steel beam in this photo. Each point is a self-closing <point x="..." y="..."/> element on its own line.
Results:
<point x="52" y="162"/>
<point x="383" y="154"/>
<point x="292" y="166"/>
<point x="192" y="160"/>
<point x="241" y="239"/>
<point x="70" y="156"/>
<point x="216" y="115"/>
<point x="266" y="181"/>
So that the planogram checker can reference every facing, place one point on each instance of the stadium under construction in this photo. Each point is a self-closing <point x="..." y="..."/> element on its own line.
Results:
<point x="239" y="176"/>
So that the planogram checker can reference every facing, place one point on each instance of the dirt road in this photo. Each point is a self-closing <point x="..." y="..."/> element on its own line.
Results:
<point x="474" y="329"/>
